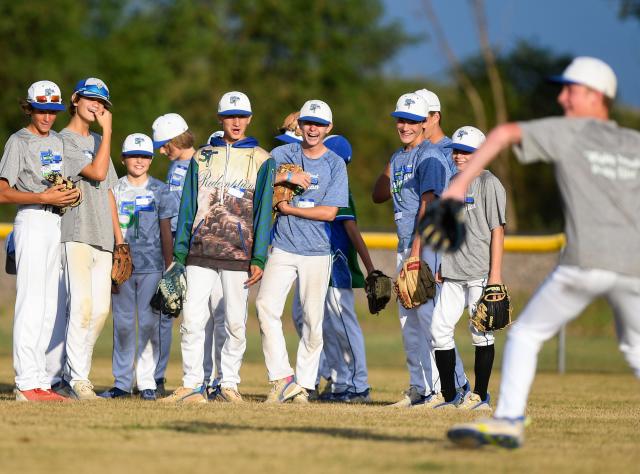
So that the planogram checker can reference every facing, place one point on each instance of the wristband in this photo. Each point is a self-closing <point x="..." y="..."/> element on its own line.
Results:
<point x="289" y="175"/>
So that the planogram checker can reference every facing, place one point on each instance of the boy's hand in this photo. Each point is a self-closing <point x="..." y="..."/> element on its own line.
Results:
<point x="301" y="179"/>
<point x="104" y="119"/>
<point x="255" y="274"/>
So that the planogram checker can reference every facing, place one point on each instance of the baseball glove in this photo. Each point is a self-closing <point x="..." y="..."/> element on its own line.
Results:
<point x="493" y="311"/>
<point x="415" y="284"/>
<point x="171" y="291"/>
<point x="122" y="264"/>
<point x="56" y="179"/>
<point x="285" y="191"/>
<point x="442" y="226"/>
<point x="378" y="289"/>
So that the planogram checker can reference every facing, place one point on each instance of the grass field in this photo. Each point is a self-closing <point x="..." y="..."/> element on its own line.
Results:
<point x="585" y="421"/>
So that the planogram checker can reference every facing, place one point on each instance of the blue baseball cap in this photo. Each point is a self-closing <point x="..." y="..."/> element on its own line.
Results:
<point x="94" y="88"/>
<point x="340" y="146"/>
<point x="289" y="137"/>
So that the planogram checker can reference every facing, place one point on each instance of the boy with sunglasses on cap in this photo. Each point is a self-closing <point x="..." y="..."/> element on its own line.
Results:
<point x="301" y="250"/>
<point x="222" y="238"/>
<point x="145" y="209"/>
<point x="30" y="156"/>
<point x="416" y="175"/>
<point x="89" y="231"/>
<point x="464" y="274"/>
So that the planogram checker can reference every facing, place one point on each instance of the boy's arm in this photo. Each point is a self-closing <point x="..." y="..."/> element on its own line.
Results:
<point x="426" y="199"/>
<point x="55" y="195"/>
<point x="166" y="241"/>
<point x="496" y="251"/>
<point x="262" y="200"/>
<point x="351" y="228"/>
<point x="98" y="169"/>
<point x="117" y="232"/>
<point x="317" y="213"/>
<point x="382" y="188"/>
<point x="187" y="214"/>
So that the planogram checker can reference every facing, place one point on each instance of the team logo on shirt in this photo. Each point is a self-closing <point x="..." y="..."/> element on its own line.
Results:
<point x="314" y="182"/>
<point x="205" y="155"/>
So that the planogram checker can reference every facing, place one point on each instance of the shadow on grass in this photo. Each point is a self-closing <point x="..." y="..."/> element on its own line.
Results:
<point x="344" y="433"/>
<point x="261" y="398"/>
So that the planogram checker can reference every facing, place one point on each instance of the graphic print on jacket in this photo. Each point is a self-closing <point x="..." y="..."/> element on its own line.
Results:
<point x="222" y="232"/>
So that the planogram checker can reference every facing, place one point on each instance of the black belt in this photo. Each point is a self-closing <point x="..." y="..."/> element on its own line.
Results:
<point x="53" y="209"/>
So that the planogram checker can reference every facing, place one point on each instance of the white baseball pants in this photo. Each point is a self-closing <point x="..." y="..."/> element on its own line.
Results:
<point x="416" y="335"/>
<point x="56" y="354"/>
<point x="37" y="239"/>
<point x="455" y="296"/>
<point x="565" y="293"/>
<point x="281" y="271"/>
<point x="202" y="285"/>
<point x="133" y="299"/>
<point x="88" y="271"/>
<point x="215" y="336"/>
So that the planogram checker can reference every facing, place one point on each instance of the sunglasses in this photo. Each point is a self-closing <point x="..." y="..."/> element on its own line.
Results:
<point x="46" y="99"/>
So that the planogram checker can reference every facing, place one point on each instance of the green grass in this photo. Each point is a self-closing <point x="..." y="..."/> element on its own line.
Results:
<point x="584" y="421"/>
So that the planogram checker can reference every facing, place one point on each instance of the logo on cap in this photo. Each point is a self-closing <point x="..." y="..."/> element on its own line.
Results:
<point x="48" y="91"/>
<point x="314" y="107"/>
<point x="462" y="133"/>
<point x="408" y="102"/>
<point x="234" y="99"/>
<point x="139" y="140"/>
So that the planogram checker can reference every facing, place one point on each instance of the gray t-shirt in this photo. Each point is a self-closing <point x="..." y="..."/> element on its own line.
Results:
<point x="485" y="209"/>
<point x="90" y="222"/>
<point x="329" y="187"/>
<point x="28" y="159"/>
<point x="139" y="212"/>
<point x="597" y="167"/>
<point x="175" y="179"/>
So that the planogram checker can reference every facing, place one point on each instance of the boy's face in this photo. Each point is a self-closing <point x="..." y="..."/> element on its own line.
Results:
<point x="313" y="133"/>
<point x="579" y="101"/>
<point x="410" y="131"/>
<point x="170" y="151"/>
<point x="234" y="126"/>
<point x="88" y="107"/>
<point x="461" y="158"/>
<point x="42" y="121"/>
<point x="431" y="124"/>
<point x="137" y="165"/>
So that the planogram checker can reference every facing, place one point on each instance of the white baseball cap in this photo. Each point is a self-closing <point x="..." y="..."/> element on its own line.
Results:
<point x="316" y="111"/>
<point x="137" y="144"/>
<point x="411" y="107"/>
<point x="45" y="95"/>
<point x="167" y="127"/>
<point x="216" y="134"/>
<point x="590" y="72"/>
<point x="432" y="100"/>
<point x="467" y="138"/>
<point x="234" y="103"/>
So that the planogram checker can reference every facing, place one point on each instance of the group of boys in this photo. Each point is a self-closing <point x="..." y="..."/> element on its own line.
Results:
<point x="212" y="223"/>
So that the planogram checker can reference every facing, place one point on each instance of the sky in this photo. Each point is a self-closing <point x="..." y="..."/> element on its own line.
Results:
<point x="574" y="27"/>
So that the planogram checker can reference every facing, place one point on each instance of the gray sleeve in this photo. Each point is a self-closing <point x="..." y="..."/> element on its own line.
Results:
<point x="546" y="139"/>
<point x="338" y="190"/>
<point x="112" y="176"/>
<point x="74" y="158"/>
<point x="167" y="204"/>
<point x="11" y="162"/>
<point x="495" y="202"/>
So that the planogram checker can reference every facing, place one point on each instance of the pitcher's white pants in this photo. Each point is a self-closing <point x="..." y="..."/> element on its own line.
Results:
<point x="88" y="271"/>
<point x="561" y="298"/>
<point x="416" y="335"/>
<point x="215" y="336"/>
<point x="56" y="354"/>
<point x="202" y="285"/>
<point x="37" y="240"/>
<point x="281" y="271"/>
<point x="133" y="299"/>
<point x="455" y="295"/>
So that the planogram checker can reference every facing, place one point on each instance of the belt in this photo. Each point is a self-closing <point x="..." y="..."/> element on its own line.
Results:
<point x="53" y="209"/>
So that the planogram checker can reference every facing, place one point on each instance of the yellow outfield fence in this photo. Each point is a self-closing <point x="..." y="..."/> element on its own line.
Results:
<point x="389" y="241"/>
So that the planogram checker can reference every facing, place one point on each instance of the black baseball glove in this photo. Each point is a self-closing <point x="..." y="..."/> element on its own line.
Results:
<point x="493" y="311"/>
<point x="171" y="291"/>
<point x="378" y="289"/>
<point x="442" y="226"/>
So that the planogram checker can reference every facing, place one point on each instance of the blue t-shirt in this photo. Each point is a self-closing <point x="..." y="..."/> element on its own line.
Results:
<point x="329" y="187"/>
<point x="413" y="173"/>
<point x="175" y="179"/>
<point x="448" y="153"/>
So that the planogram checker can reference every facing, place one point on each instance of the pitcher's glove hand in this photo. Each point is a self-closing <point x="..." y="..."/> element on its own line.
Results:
<point x="493" y="311"/>
<point x="285" y="191"/>
<point x="122" y="264"/>
<point x="415" y="284"/>
<point x="442" y="226"/>
<point x="378" y="289"/>
<point x="56" y="179"/>
<point x="171" y="292"/>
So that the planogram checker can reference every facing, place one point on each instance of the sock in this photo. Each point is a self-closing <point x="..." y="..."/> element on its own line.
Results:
<point x="446" y="362"/>
<point x="483" y="366"/>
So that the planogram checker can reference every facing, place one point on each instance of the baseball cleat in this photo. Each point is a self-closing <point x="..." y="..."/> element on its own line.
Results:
<point x="472" y="401"/>
<point x="83" y="390"/>
<point x="352" y="397"/>
<point x="466" y="388"/>
<point x="504" y="432"/>
<point x="411" y="398"/>
<point x="62" y="388"/>
<point x="160" y="390"/>
<point x="212" y="392"/>
<point x="186" y="395"/>
<point x="438" y="402"/>
<point x="303" y="397"/>
<point x="283" y="390"/>
<point x="38" y="395"/>
<point x="148" y="394"/>
<point x="229" y="395"/>
<point x="114" y="392"/>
